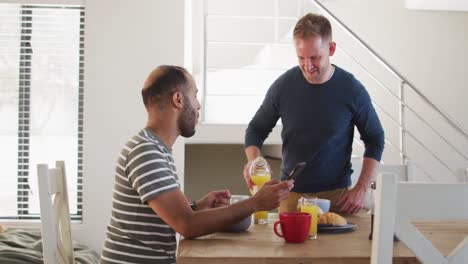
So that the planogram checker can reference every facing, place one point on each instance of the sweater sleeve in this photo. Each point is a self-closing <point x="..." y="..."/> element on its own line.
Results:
<point x="264" y="119"/>
<point x="368" y="125"/>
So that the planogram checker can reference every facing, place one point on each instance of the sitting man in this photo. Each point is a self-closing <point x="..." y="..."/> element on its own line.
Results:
<point x="148" y="205"/>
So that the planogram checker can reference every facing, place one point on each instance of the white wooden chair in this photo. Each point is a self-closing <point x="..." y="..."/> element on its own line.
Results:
<point x="400" y="203"/>
<point x="55" y="215"/>
<point x="403" y="172"/>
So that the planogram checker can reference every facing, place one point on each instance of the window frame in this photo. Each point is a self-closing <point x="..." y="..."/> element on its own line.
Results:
<point x="24" y="217"/>
<point x="207" y="132"/>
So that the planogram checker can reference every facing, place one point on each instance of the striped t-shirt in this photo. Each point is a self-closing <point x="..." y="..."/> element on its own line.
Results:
<point x="136" y="234"/>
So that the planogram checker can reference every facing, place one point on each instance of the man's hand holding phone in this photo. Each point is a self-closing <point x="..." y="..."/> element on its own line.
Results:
<point x="297" y="170"/>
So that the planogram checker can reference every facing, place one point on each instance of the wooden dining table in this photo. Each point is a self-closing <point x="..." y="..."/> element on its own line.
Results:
<point x="259" y="244"/>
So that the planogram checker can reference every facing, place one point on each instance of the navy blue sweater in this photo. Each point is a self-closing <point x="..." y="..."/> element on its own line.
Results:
<point x="318" y="127"/>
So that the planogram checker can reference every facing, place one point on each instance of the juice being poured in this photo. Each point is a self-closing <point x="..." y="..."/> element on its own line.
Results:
<point x="260" y="179"/>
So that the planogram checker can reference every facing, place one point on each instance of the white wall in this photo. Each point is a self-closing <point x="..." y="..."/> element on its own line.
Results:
<point x="125" y="40"/>
<point x="428" y="47"/>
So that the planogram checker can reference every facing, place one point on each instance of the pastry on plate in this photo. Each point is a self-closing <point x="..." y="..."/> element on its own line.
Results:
<point x="332" y="219"/>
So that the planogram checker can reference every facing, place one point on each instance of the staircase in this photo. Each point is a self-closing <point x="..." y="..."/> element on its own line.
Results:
<point x="415" y="128"/>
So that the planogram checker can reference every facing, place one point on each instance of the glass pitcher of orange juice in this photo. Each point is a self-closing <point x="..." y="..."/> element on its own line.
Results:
<point x="260" y="173"/>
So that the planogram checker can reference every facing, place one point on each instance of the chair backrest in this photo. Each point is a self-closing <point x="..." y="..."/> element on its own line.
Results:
<point x="403" y="172"/>
<point x="399" y="203"/>
<point x="55" y="215"/>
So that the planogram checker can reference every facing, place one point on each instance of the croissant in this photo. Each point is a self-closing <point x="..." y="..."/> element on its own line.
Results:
<point x="332" y="219"/>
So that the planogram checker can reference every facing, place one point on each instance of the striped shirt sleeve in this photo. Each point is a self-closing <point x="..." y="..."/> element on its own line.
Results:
<point x="149" y="171"/>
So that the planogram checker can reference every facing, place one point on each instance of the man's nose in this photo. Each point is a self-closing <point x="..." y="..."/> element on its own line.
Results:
<point x="308" y="65"/>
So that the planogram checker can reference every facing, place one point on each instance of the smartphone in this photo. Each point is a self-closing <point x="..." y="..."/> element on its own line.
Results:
<point x="297" y="170"/>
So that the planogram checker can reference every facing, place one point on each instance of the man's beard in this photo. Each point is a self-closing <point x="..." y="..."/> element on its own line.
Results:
<point x="187" y="121"/>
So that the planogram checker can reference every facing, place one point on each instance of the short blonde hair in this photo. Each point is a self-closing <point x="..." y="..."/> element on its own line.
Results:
<point x="312" y="25"/>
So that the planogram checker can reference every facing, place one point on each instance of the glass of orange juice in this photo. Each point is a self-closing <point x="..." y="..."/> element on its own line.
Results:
<point x="310" y="206"/>
<point x="260" y="217"/>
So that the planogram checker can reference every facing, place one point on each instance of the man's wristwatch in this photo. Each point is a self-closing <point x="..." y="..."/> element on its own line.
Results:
<point x="193" y="205"/>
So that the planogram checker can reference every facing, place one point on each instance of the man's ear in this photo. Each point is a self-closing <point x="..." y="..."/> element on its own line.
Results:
<point x="332" y="48"/>
<point x="178" y="100"/>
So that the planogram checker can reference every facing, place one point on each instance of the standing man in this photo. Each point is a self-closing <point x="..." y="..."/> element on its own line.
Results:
<point x="319" y="105"/>
<point x="148" y="207"/>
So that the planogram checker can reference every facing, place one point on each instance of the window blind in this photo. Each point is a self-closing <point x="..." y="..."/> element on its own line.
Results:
<point x="41" y="102"/>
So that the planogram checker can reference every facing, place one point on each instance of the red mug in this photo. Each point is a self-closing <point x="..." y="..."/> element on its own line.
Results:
<point x="294" y="226"/>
